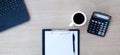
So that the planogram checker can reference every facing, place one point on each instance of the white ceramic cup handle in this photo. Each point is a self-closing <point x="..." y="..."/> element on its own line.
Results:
<point x="71" y="24"/>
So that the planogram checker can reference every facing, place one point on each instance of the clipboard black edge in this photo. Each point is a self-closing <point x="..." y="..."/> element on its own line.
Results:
<point x="43" y="39"/>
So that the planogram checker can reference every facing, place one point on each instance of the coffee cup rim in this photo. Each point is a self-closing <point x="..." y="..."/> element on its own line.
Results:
<point x="84" y="18"/>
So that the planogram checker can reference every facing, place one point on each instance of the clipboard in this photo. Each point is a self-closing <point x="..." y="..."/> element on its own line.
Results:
<point x="60" y="42"/>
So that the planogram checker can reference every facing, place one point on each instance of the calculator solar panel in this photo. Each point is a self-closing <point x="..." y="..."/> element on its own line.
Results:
<point x="12" y="13"/>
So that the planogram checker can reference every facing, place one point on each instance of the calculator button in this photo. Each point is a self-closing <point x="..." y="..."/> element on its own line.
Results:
<point x="97" y="30"/>
<point x="99" y="22"/>
<point x="99" y="33"/>
<point x="106" y="22"/>
<point x="104" y="26"/>
<point x="93" y="31"/>
<point x="95" y="24"/>
<point x="92" y="23"/>
<point x="100" y="29"/>
<point x="98" y="25"/>
<point x="95" y="21"/>
<point x="92" y="20"/>
<point x="102" y="33"/>
<point x="102" y="23"/>
<point x="103" y="30"/>
<point x="91" y="26"/>
<point x="94" y="27"/>
<point x="89" y="31"/>
<point x="101" y="26"/>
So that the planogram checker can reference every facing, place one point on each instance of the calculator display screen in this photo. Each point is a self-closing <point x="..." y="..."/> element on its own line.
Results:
<point x="102" y="16"/>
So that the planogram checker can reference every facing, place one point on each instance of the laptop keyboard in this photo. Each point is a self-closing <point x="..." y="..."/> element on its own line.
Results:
<point x="12" y="13"/>
<point x="8" y="6"/>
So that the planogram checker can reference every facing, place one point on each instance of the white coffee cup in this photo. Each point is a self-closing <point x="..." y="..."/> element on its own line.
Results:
<point x="78" y="19"/>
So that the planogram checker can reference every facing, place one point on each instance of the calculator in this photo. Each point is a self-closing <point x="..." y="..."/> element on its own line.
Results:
<point x="99" y="23"/>
<point x="12" y="13"/>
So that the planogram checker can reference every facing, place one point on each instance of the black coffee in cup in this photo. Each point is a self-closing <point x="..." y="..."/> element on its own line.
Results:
<point x="78" y="18"/>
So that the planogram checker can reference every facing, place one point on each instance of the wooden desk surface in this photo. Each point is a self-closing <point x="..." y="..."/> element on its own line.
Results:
<point x="26" y="39"/>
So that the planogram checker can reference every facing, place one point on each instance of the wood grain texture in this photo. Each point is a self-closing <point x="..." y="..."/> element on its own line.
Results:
<point x="26" y="39"/>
